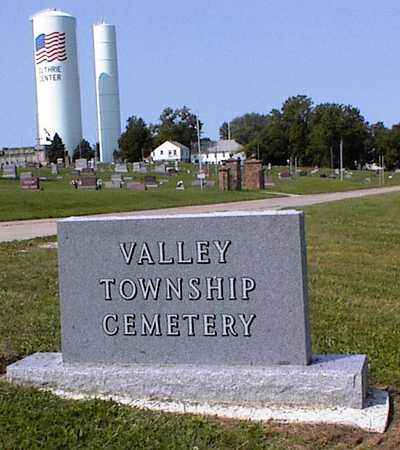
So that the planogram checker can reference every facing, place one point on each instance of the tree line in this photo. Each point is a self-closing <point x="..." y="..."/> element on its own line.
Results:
<point x="312" y="134"/>
<point x="139" y="138"/>
<point x="299" y="129"/>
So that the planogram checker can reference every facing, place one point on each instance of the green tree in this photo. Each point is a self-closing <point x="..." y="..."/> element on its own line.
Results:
<point x="83" y="150"/>
<point x="272" y="141"/>
<point x="331" y="122"/>
<point x="387" y="144"/>
<point x="176" y="125"/>
<point x="135" y="141"/>
<point x="244" y="128"/>
<point x="296" y="114"/>
<point x="56" y="149"/>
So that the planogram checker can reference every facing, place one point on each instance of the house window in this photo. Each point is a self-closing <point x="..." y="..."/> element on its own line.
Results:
<point x="161" y="152"/>
<point x="169" y="153"/>
<point x="175" y="152"/>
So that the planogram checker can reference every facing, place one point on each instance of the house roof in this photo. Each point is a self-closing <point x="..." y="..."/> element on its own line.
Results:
<point x="225" y="146"/>
<point x="178" y="144"/>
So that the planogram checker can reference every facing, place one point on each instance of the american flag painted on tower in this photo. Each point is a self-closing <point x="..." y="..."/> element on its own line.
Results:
<point x="50" y="47"/>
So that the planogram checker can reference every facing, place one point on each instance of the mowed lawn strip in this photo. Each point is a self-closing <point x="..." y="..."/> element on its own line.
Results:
<point x="59" y="199"/>
<point x="353" y="263"/>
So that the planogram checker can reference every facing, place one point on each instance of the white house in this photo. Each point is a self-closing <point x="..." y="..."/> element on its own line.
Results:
<point x="220" y="151"/>
<point x="171" y="151"/>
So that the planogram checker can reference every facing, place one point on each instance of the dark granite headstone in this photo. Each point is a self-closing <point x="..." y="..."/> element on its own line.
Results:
<point x="30" y="184"/>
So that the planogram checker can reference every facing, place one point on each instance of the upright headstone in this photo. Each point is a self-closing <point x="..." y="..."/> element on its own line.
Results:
<point x="116" y="180"/>
<point x="150" y="182"/>
<point x="160" y="168"/>
<point x="54" y="169"/>
<point x="10" y="171"/>
<point x="25" y="175"/>
<point x="87" y="181"/>
<point x="139" y="167"/>
<point x="121" y="168"/>
<point x="30" y="183"/>
<point x="80" y="164"/>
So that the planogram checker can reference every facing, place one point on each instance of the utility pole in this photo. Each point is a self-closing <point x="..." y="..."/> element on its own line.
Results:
<point x="198" y="147"/>
<point x="341" y="159"/>
<point x="229" y="130"/>
<point x="258" y="151"/>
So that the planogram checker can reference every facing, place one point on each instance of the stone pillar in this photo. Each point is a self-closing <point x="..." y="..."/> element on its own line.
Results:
<point x="253" y="175"/>
<point x="223" y="178"/>
<point x="235" y="174"/>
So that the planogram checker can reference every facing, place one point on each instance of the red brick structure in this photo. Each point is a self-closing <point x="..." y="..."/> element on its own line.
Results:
<point x="223" y="178"/>
<point x="253" y="175"/>
<point x="235" y="174"/>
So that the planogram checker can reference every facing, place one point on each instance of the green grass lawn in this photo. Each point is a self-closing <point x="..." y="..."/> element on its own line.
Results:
<point x="59" y="199"/>
<point x="354" y="268"/>
<point x="314" y="184"/>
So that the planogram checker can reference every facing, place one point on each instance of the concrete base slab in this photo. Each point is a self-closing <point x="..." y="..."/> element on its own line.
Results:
<point x="373" y="418"/>
<point x="331" y="390"/>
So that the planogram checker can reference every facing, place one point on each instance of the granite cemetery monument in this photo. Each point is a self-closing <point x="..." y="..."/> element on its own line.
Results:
<point x="202" y="313"/>
<point x="10" y="171"/>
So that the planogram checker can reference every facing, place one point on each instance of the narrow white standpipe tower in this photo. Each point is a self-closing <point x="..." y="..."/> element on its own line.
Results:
<point x="107" y="89"/>
<point x="57" y="78"/>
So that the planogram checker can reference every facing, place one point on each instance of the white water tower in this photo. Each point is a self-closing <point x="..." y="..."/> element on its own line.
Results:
<point x="57" y="80"/>
<point x="107" y="89"/>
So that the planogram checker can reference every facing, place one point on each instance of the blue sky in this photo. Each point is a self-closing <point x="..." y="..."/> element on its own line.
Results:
<point x="221" y="58"/>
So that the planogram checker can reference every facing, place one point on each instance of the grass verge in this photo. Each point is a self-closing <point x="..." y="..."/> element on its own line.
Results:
<point x="353" y="262"/>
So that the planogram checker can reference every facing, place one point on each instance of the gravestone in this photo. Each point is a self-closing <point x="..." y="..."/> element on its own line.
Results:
<point x="116" y="180"/>
<point x="160" y="168"/>
<point x="210" y="184"/>
<point x="150" y="181"/>
<point x="10" y="172"/>
<point x="121" y="168"/>
<point x="25" y="175"/>
<point x="139" y="167"/>
<point x="80" y="164"/>
<point x="87" y="182"/>
<point x="54" y="169"/>
<point x="193" y="311"/>
<point x="135" y="186"/>
<point x="30" y="183"/>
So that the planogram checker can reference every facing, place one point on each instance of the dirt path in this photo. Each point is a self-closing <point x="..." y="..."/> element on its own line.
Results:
<point x="28" y="229"/>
